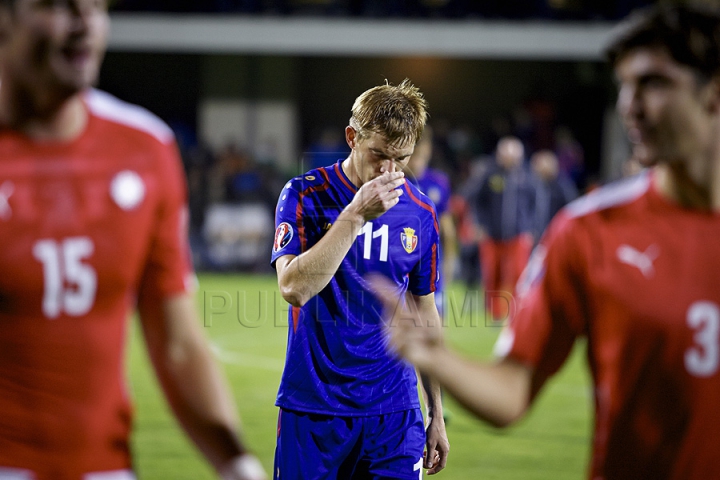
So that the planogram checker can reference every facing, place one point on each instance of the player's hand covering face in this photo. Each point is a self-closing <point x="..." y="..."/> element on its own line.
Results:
<point x="379" y="195"/>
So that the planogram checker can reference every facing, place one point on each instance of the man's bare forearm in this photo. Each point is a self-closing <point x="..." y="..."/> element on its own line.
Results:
<point x="496" y="392"/>
<point x="192" y="382"/>
<point x="308" y="273"/>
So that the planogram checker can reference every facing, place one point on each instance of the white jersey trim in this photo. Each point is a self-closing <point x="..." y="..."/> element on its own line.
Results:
<point x="614" y="194"/>
<point x="112" y="108"/>
<point x="113" y="475"/>
<point x="16" y="474"/>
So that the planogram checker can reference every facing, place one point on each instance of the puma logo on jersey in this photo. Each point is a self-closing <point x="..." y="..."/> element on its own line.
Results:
<point x="643" y="261"/>
<point x="6" y="190"/>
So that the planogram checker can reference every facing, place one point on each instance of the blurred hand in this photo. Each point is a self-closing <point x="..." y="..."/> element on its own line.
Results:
<point x="244" y="467"/>
<point x="413" y="337"/>
<point x="378" y="195"/>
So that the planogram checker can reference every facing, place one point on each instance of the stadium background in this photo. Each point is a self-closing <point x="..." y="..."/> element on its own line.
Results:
<point x="260" y="90"/>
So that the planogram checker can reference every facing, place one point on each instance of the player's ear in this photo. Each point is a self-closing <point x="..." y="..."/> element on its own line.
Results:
<point x="351" y="136"/>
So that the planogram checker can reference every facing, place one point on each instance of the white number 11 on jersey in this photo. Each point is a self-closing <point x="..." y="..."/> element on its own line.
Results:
<point x="70" y="285"/>
<point x="382" y="232"/>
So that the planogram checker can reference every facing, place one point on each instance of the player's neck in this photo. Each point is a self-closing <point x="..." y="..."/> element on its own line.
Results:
<point x="347" y="167"/>
<point x="42" y="116"/>
<point x="676" y="184"/>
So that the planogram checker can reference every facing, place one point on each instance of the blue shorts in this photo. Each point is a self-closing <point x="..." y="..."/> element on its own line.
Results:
<point x="315" y="447"/>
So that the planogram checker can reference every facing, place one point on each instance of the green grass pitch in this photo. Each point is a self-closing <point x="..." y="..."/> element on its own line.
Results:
<point x="551" y="442"/>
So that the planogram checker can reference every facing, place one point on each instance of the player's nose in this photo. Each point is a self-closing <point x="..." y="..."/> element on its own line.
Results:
<point x="629" y="102"/>
<point x="387" y="166"/>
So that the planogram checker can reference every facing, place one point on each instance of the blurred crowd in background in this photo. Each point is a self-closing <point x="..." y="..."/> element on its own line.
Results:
<point x="458" y="9"/>
<point x="233" y="191"/>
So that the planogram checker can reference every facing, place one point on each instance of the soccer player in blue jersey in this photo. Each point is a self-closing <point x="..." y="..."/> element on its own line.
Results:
<point x="349" y="409"/>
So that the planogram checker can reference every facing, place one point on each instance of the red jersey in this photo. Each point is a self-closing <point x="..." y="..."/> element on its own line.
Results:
<point x="638" y="277"/>
<point x="85" y="228"/>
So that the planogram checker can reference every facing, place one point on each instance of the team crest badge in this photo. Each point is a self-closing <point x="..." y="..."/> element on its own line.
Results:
<point x="127" y="189"/>
<point x="409" y="239"/>
<point x="283" y="235"/>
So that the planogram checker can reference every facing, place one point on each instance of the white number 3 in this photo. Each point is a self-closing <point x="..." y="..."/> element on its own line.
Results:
<point x="702" y="358"/>
<point x="70" y="285"/>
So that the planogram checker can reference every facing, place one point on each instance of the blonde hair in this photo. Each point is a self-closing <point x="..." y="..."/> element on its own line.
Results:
<point x="397" y="112"/>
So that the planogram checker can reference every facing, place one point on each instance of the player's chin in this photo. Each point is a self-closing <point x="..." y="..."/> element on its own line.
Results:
<point x="78" y="77"/>
<point x="645" y="154"/>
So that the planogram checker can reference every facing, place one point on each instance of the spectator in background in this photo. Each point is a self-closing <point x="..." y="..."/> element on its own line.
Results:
<point x="241" y="178"/>
<point x="570" y="154"/>
<point x="460" y="206"/>
<point x="198" y="160"/>
<point x="504" y="209"/>
<point x="93" y="223"/>
<point x="553" y="191"/>
<point x="436" y="185"/>
<point x="327" y="149"/>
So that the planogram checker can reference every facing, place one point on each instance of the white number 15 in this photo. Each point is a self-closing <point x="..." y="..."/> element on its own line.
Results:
<point x="70" y="284"/>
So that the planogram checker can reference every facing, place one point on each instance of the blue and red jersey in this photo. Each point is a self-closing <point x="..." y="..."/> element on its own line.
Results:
<point x="337" y="362"/>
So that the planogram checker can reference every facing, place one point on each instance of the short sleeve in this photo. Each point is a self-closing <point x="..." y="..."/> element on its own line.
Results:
<point x="551" y="312"/>
<point x="288" y="223"/>
<point x="168" y="269"/>
<point x="425" y="276"/>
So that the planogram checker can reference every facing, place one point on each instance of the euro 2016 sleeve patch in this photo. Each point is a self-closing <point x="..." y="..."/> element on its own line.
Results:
<point x="283" y="235"/>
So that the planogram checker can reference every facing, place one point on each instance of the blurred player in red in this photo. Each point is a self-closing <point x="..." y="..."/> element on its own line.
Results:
<point x="633" y="268"/>
<point x="92" y="224"/>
